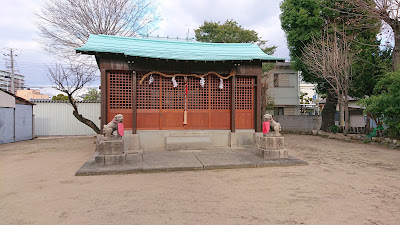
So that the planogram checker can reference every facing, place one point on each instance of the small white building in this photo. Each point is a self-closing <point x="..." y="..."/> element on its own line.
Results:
<point x="310" y="90"/>
<point x="283" y="86"/>
<point x="16" y="118"/>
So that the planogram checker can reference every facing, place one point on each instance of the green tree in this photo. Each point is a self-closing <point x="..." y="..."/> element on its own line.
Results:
<point x="304" y="20"/>
<point x="230" y="32"/>
<point x="384" y="104"/>
<point x="92" y="95"/>
<point x="370" y="64"/>
<point x="60" y="97"/>
<point x="304" y="99"/>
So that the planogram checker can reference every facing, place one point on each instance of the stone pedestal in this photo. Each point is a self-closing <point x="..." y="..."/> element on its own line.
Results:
<point x="111" y="152"/>
<point x="112" y="147"/>
<point x="271" y="147"/>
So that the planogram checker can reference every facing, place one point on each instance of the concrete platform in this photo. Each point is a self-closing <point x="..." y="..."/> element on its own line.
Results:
<point x="188" y="143"/>
<point x="186" y="160"/>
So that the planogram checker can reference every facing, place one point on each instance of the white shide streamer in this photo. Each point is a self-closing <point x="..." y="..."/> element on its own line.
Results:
<point x="174" y="83"/>
<point x="151" y="79"/>
<point x="221" y="83"/>
<point x="202" y="82"/>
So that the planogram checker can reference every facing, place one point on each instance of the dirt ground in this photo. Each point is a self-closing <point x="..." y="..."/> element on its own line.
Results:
<point x="344" y="183"/>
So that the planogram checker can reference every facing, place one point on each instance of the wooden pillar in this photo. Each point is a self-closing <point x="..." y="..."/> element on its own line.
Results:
<point x="103" y="105"/>
<point x="258" y="104"/>
<point x="233" y="109"/>
<point x="134" y="103"/>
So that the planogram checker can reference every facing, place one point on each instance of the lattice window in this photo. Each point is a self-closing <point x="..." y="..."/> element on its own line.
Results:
<point x="197" y="95"/>
<point x="244" y="92"/>
<point x="148" y="95"/>
<point x="120" y="90"/>
<point x="173" y="98"/>
<point x="220" y="98"/>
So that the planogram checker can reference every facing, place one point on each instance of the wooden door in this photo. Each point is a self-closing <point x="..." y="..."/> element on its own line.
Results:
<point x="119" y="99"/>
<point x="172" y="104"/>
<point x="198" y="104"/>
<point x="220" y="103"/>
<point x="244" y="102"/>
<point x="148" y="103"/>
<point x="207" y="107"/>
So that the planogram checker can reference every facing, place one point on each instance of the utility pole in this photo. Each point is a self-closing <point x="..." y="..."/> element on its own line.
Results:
<point x="12" y="71"/>
<point x="12" y="54"/>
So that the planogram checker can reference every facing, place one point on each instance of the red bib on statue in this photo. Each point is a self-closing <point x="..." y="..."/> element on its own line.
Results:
<point x="266" y="127"/>
<point x="121" y="129"/>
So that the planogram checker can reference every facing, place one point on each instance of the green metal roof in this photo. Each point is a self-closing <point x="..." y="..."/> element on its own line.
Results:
<point x="175" y="49"/>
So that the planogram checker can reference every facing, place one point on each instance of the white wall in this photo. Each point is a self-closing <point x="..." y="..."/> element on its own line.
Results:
<point x="308" y="88"/>
<point x="357" y="120"/>
<point x="287" y="96"/>
<point x="57" y="118"/>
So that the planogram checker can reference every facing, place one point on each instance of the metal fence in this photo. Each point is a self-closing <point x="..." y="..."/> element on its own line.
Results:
<point x="16" y="123"/>
<point x="56" y="118"/>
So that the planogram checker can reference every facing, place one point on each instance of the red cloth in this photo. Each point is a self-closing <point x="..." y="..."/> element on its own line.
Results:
<point x="121" y="129"/>
<point x="266" y="127"/>
<point x="186" y="89"/>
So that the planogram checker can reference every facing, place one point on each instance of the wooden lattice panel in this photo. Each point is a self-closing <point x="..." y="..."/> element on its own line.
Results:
<point x="244" y="92"/>
<point x="160" y="105"/>
<point x="220" y="98"/>
<point x="173" y="98"/>
<point x="120" y="90"/>
<point x="197" y="95"/>
<point x="148" y="95"/>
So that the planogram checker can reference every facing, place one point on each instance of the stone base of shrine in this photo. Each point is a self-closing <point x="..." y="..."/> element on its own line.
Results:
<point x="156" y="139"/>
<point x="241" y="149"/>
<point x="273" y="154"/>
<point x="105" y="160"/>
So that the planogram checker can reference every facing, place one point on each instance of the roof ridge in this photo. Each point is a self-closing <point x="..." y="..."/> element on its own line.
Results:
<point x="154" y="39"/>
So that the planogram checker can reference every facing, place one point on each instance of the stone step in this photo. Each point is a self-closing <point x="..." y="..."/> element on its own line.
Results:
<point x="189" y="134"/>
<point x="187" y="143"/>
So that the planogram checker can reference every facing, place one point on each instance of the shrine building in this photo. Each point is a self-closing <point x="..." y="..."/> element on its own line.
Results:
<point x="173" y="85"/>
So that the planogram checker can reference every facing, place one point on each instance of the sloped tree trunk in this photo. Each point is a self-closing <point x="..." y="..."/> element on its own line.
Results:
<point x="86" y="121"/>
<point x="80" y="117"/>
<point x="328" y="113"/>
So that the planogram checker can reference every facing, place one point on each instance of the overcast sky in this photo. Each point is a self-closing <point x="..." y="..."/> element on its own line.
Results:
<point x="18" y="31"/>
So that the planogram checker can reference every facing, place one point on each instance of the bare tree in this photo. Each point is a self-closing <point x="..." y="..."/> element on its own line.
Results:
<point x="385" y="10"/>
<point x="69" y="79"/>
<point x="331" y="58"/>
<point x="67" y="24"/>
<point x="267" y="100"/>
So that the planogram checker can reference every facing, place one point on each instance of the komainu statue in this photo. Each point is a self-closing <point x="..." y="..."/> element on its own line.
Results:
<point x="274" y="125"/>
<point x="115" y="124"/>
